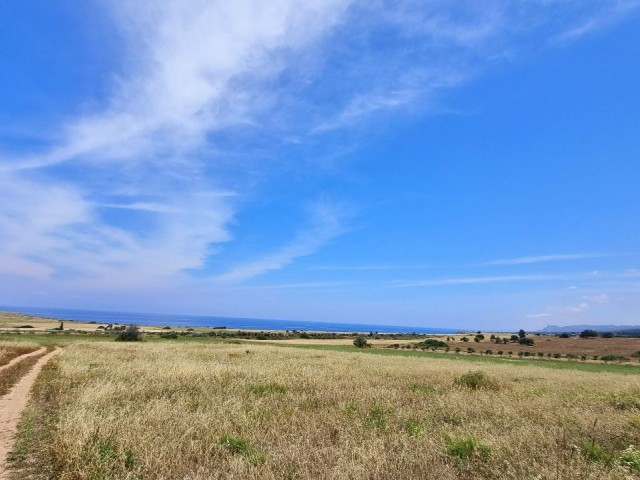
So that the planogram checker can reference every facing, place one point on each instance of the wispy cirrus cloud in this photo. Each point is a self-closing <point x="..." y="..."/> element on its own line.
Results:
<point x="476" y="280"/>
<point x="590" y="278"/>
<point x="327" y="223"/>
<point x="132" y="192"/>
<point x="544" y="259"/>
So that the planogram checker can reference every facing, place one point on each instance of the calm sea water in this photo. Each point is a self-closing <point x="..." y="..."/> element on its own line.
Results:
<point x="205" y="321"/>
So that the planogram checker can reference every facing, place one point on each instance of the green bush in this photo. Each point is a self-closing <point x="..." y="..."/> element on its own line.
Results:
<point x="131" y="333"/>
<point x="361" y="342"/>
<point x="613" y="358"/>
<point x="630" y="458"/>
<point x="588" y="334"/>
<point x="432" y="343"/>
<point x="526" y="341"/>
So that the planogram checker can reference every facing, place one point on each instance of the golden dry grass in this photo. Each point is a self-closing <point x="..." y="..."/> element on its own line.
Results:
<point x="9" y="351"/>
<point x="195" y="411"/>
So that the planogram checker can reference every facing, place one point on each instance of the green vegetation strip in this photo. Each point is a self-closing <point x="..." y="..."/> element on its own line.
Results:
<point x="560" y="365"/>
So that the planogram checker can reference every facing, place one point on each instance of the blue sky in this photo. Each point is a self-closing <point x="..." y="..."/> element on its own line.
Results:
<point x="435" y="163"/>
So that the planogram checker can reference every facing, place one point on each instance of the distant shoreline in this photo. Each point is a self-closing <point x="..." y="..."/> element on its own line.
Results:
<point x="210" y="322"/>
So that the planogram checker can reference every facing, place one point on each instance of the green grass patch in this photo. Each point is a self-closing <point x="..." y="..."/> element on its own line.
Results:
<point x="466" y="448"/>
<point x="375" y="418"/>
<point x="424" y="389"/>
<point x="267" y="388"/>
<point x="413" y="427"/>
<point x="476" y="380"/>
<point x="558" y="365"/>
<point x="241" y="446"/>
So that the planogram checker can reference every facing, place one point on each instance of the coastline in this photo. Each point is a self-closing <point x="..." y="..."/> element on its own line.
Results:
<point x="156" y="322"/>
<point x="88" y="320"/>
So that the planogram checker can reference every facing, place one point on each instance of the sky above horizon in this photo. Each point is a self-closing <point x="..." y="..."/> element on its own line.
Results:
<point x="433" y="163"/>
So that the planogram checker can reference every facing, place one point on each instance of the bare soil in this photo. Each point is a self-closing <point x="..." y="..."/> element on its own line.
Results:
<point x="11" y="407"/>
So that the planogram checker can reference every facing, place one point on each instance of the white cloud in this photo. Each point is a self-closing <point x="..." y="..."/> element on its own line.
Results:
<point x="608" y="13"/>
<point x="476" y="280"/>
<point x="193" y="68"/>
<point x="544" y="258"/>
<point x="597" y="298"/>
<point x="326" y="225"/>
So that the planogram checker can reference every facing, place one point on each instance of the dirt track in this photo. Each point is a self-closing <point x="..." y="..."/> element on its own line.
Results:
<point x="14" y="402"/>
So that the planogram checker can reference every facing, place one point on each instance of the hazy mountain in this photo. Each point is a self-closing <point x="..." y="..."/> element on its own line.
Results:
<point x="580" y="328"/>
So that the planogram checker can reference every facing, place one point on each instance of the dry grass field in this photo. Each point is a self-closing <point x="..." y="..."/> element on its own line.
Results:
<point x="12" y="321"/>
<point x="9" y="351"/>
<point x="624" y="346"/>
<point x="202" y="411"/>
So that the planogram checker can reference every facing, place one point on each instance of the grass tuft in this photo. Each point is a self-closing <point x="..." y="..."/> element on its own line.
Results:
<point x="241" y="446"/>
<point x="375" y="418"/>
<point x="475" y="380"/>
<point x="467" y="447"/>
<point x="267" y="388"/>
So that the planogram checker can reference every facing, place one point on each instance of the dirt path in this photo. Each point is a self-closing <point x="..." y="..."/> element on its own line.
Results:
<point x="13" y="361"/>
<point x="12" y="405"/>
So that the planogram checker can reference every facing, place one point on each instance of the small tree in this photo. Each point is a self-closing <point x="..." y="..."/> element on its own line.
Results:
<point x="522" y="333"/>
<point x="131" y="333"/>
<point x="361" y="342"/>
<point x="464" y="339"/>
<point x="526" y="341"/>
<point x="588" y="334"/>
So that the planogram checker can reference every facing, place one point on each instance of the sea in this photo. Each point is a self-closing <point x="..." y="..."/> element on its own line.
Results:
<point x="179" y="320"/>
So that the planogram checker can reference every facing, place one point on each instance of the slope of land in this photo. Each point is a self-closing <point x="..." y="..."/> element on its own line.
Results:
<point x="13" y="403"/>
<point x="225" y="410"/>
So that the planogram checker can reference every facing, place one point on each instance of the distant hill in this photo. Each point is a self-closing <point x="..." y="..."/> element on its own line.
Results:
<point x="597" y="328"/>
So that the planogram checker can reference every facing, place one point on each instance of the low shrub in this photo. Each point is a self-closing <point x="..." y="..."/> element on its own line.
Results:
<point x="361" y="342"/>
<point x="613" y="358"/>
<point x="130" y="333"/>
<point x="475" y="380"/>
<point x="432" y="343"/>
<point x="630" y="458"/>
<point x="588" y="334"/>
